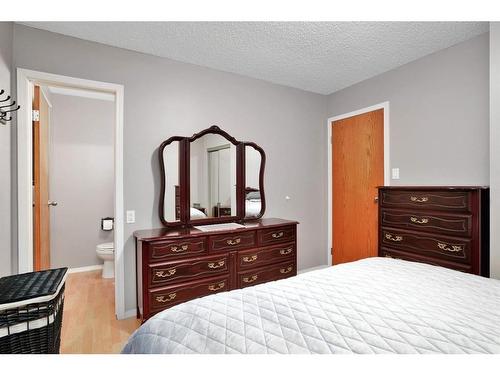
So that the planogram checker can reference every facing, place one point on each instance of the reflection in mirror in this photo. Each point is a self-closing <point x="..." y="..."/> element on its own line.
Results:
<point x="253" y="204"/>
<point x="212" y="177"/>
<point x="171" y="202"/>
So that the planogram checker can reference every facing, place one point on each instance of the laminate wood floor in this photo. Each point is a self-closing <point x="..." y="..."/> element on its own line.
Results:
<point x="89" y="323"/>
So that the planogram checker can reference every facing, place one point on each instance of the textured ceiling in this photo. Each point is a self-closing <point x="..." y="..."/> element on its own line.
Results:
<point x="321" y="57"/>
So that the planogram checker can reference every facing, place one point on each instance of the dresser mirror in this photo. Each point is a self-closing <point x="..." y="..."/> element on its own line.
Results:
<point x="210" y="178"/>
<point x="171" y="197"/>
<point x="254" y="181"/>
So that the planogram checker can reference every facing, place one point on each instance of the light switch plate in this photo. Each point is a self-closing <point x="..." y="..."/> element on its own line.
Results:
<point x="395" y="173"/>
<point x="130" y="216"/>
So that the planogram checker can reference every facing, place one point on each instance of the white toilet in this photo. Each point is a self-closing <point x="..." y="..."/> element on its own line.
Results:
<point x="106" y="252"/>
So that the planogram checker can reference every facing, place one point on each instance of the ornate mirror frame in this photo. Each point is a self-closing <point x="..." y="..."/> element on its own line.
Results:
<point x="184" y="180"/>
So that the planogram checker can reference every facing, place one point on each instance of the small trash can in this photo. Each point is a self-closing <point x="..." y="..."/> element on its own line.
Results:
<point x="31" y="309"/>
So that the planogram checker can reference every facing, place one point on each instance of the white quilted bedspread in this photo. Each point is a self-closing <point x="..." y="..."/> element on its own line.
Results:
<point x="375" y="305"/>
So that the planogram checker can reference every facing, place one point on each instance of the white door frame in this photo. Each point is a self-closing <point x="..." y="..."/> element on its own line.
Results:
<point x="387" y="174"/>
<point x="25" y="82"/>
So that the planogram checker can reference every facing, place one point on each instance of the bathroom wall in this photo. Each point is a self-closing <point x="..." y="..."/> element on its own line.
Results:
<point x="81" y="178"/>
<point x="5" y="152"/>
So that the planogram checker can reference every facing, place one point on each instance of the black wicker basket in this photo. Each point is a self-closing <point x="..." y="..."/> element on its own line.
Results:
<point x="31" y="310"/>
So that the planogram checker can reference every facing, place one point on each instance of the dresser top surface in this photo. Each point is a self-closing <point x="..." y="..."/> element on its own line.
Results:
<point x="162" y="233"/>
<point x="427" y="188"/>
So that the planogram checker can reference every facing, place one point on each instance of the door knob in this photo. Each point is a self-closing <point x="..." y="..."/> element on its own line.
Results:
<point x="52" y="203"/>
<point x="375" y="199"/>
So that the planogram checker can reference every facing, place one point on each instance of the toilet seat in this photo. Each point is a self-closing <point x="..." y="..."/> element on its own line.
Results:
<point x="106" y="248"/>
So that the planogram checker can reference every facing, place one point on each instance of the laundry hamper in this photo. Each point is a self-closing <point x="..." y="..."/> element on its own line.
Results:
<point x="31" y="309"/>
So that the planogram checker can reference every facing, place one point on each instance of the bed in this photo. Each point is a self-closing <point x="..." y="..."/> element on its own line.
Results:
<point x="375" y="305"/>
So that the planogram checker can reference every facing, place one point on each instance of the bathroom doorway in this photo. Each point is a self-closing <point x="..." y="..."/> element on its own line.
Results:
<point x="73" y="179"/>
<point x="80" y="149"/>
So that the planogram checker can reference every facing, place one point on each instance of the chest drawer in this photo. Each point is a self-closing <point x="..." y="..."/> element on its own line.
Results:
<point x="447" y="248"/>
<point x="265" y="274"/>
<point x="162" y="298"/>
<point x="447" y="224"/>
<point x="236" y="241"/>
<point x="276" y="235"/>
<point x="429" y="200"/>
<point x="389" y="253"/>
<point x="262" y="256"/>
<point x="161" y="250"/>
<point x="166" y="273"/>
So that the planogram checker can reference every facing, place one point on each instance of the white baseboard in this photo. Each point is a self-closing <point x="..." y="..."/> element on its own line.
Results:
<point x="85" y="269"/>
<point x="128" y="314"/>
<point x="313" y="268"/>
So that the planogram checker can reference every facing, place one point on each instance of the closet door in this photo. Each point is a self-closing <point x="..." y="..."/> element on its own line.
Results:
<point x="358" y="169"/>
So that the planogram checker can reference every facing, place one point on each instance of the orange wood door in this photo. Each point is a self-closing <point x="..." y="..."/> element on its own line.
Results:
<point x="41" y="212"/>
<point x="358" y="168"/>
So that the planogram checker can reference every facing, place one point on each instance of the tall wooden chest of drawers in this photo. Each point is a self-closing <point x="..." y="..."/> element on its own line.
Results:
<point x="444" y="226"/>
<point x="177" y="265"/>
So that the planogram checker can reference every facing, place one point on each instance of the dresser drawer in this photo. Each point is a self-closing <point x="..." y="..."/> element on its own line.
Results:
<point x="162" y="298"/>
<point x="447" y="248"/>
<point x="389" y="253"/>
<point x="237" y="241"/>
<point x="265" y="274"/>
<point x="161" y="250"/>
<point x="167" y="273"/>
<point x="430" y="200"/>
<point x="262" y="256"/>
<point x="276" y="235"/>
<point x="447" y="224"/>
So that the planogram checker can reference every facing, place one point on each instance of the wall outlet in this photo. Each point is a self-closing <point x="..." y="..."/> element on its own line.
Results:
<point x="395" y="173"/>
<point x="130" y="216"/>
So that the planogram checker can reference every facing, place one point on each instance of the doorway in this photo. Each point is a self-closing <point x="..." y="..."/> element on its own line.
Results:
<point x="358" y="155"/>
<point x="73" y="179"/>
<point x="26" y="82"/>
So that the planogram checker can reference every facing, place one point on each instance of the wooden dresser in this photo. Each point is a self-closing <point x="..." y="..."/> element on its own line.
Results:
<point x="177" y="265"/>
<point x="444" y="226"/>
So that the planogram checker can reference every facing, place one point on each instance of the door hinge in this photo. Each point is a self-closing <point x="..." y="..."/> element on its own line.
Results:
<point x="35" y="115"/>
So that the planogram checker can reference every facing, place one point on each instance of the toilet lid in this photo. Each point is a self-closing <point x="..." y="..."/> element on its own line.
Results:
<point x="109" y="246"/>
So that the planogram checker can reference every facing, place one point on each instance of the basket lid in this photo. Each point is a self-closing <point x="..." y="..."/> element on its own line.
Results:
<point x="30" y="285"/>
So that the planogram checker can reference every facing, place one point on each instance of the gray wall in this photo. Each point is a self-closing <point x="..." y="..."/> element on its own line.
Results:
<point x="5" y="152"/>
<point x="438" y="115"/>
<point x="495" y="147"/>
<point x="81" y="178"/>
<point x="165" y="98"/>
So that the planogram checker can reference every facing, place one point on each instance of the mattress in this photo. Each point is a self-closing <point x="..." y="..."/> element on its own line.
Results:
<point x="375" y="305"/>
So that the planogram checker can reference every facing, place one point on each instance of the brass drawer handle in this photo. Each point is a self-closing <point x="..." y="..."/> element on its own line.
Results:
<point x="419" y="200"/>
<point x="215" y="265"/>
<point x="233" y="242"/>
<point x="286" y="270"/>
<point x="416" y="220"/>
<point x="250" y="279"/>
<point x="166" y="273"/>
<point x="277" y="235"/>
<point x="177" y="249"/>
<point x="215" y="287"/>
<point x="452" y="249"/>
<point x="393" y="238"/>
<point x="286" y="251"/>
<point x="250" y="259"/>
<point x="170" y="297"/>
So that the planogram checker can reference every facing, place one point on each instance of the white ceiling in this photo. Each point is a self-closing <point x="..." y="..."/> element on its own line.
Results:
<point x="321" y="57"/>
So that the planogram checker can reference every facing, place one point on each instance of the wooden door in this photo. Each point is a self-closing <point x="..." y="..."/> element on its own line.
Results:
<point x="41" y="212"/>
<point x="358" y="168"/>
